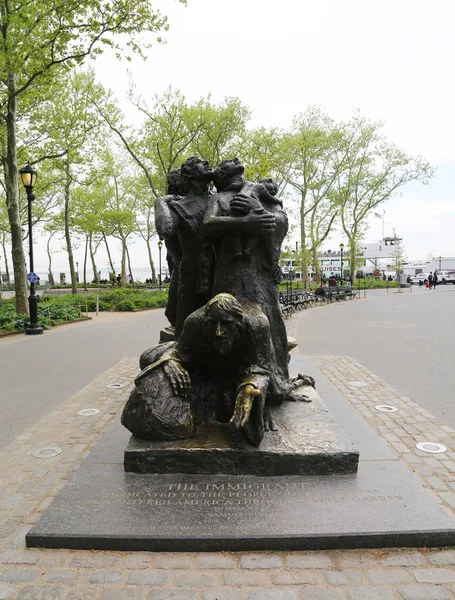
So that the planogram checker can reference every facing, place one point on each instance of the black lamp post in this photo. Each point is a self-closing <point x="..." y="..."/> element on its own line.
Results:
<point x="160" y="245"/>
<point x="77" y="272"/>
<point x="341" y="262"/>
<point x="440" y="259"/>
<point x="28" y="176"/>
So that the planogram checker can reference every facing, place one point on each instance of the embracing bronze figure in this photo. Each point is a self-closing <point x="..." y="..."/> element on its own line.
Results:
<point x="227" y="363"/>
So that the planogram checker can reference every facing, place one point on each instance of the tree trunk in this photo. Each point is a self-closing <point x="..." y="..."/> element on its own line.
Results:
<point x="352" y="256"/>
<point x="303" y="245"/>
<point x="316" y="266"/>
<point x="12" y="200"/>
<point x="49" y="256"/>
<point x="85" y="261"/>
<point x="152" y="264"/>
<point x="123" y="269"/>
<point x="92" y="258"/>
<point x="352" y="264"/>
<point x="111" y="264"/>
<point x="129" y="265"/>
<point x="6" y="263"/>
<point x="69" y="247"/>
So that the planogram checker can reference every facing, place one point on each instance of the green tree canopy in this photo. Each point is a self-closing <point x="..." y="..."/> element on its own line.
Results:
<point x="38" y="40"/>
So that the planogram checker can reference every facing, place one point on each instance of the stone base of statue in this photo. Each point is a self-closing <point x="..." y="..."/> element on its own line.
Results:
<point x="308" y="442"/>
<point x="383" y="505"/>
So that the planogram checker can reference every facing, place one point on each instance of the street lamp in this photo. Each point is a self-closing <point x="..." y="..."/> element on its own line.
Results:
<point x="440" y="259"/>
<point x="341" y="261"/>
<point x="77" y="272"/>
<point x="28" y="176"/>
<point x="160" y="245"/>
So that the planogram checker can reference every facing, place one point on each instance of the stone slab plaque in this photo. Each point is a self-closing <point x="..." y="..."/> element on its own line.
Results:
<point x="308" y="442"/>
<point x="104" y="508"/>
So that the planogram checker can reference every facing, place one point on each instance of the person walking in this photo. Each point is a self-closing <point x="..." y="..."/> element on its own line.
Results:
<point x="435" y="280"/>
<point x="430" y="280"/>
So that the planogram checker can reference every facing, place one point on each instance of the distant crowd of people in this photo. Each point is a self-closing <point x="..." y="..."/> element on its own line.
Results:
<point x="158" y="280"/>
<point x="430" y="282"/>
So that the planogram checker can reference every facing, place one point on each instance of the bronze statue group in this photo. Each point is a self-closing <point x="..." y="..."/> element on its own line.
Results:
<point x="226" y="362"/>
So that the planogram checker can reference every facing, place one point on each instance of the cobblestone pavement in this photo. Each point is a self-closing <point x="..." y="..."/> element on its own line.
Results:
<point x="28" y="486"/>
<point x="407" y="339"/>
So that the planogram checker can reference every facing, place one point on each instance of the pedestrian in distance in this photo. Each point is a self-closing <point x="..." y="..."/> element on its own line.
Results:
<point x="435" y="280"/>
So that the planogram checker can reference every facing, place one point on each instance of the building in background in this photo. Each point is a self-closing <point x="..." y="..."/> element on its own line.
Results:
<point x="376" y="257"/>
<point x="430" y="265"/>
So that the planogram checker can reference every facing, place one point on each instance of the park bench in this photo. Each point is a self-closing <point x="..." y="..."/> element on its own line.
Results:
<point x="286" y="310"/>
<point x="339" y="293"/>
<point x="298" y="299"/>
<point x="331" y="294"/>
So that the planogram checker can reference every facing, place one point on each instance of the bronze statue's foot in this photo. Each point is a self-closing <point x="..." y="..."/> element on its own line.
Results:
<point x="302" y="379"/>
<point x="269" y="421"/>
<point x="295" y="397"/>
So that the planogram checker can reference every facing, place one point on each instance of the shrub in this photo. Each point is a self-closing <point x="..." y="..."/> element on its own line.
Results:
<point x="140" y="303"/>
<point x="68" y="307"/>
<point x="89" y="304"/>
<point x="373" y="283"/>
<point x="125" y="305"/>
<point x="51" y="311"/>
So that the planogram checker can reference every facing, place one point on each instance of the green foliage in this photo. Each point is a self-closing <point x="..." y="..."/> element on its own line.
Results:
<point x="374" y="171"/>
<point x="125" y="305"/>
<point x="41" y="41"/>
<point x="174" y="129"/>
<point x="110" y="300"/>
<point x="123" y="300"/>
<point x="53" y="310"/>
<point x="371" y="283"/>
<point x="311" y="163"/>
<point x="44" y="34"/>
<point x="9" y="320"/>
<point x="50" y="313"/>
<point x="260" y="150"/>
<point x="284" y="286"/>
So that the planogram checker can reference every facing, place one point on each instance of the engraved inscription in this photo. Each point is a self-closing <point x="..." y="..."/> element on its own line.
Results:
<point x="235" y="500"/>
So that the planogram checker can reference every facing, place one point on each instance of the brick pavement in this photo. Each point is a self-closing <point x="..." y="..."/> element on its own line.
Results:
<point x="28" y="486"/>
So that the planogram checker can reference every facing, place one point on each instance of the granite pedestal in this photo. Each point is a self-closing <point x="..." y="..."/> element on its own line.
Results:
<point x="382" y="505"/>
<point x="308" y="442"/>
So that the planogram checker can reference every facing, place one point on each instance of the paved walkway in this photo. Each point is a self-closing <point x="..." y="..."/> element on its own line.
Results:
<point x="28" y="486"/>
<point x="408" y="339"/>
<point x="38" y="373"/>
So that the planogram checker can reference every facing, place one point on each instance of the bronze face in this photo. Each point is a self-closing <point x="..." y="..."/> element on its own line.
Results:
<point x="223" y="330"/>
<point x="195" y="168"/>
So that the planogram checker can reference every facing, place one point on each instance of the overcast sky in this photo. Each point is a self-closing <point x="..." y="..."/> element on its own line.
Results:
<point x="393" y="60"/>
